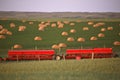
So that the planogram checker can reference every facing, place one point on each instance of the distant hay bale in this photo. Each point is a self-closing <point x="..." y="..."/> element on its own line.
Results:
<point x="62" y="45"/>
<point x="22" y="28"/>
<point x="70" y="39"/>
<point x="110" y="28"/>
<point x="2" y="37"/>
<point x="4" y="31"/>
<point x="116" y="43"/>
<point x="61" y="25"/>
<point x="23" y="20"/>
<point x="85" y="28"/>
<point x="119" y="33"/>
<point x="99" y="24"/>
<point x="72" y="24"/>
<point x="103" y="29"/>
<point x="1" y="27"/>
<point x="55" y="46"/>
<point x="17" y="46"/>
<point x="72" y="31"/>
<point x="30" y="22"/>
<point x="41" y="28"/>
<point x="80" y="39"/>
<point x="12" y="25"/>
<point x="90" y="23"/>
<point x="58" y="23"/>
<point x="78" y="21"/>
<point x="101" y="35"/>
<point x="64" y="33"/>
<point x="66" y="22"/>
<point x="53" y="25"/>
<point x="9" y="33"/>
<point x="93" y="38"/>
<point x="37" y="38"/>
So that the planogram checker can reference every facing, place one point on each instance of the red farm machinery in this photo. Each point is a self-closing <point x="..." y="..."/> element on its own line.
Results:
<point x="16" y="55"/>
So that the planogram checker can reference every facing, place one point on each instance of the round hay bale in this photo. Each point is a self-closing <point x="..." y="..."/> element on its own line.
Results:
<point x="2" y="37"/>
<point x="61" y="25"/>
<point x="80" y="39"/>
<point x="72" y="31"/>
<point x="85" y="28"/>
<point x="58" y="23"/>
<point x="101" y="35"/>
<point x="93" y="38"/>
<point x="55" y="46"/>
<point x="1" y="27"/>
<point x="53" y="25"/>
<point x="37" y="38"/>
<point x="90" y="23"/>
<point x="70" y="39"/>
<point x="78" y="21"/>
<point x="30" y="22"/>
<point x="119" y="33"/>
<point x="66" y="22"/>
<point x="110" y="28"/>
<point x="62" y="45"/>
<point x="22" y="28"/>
<point x="72" y="24"/>
<point x="17" y="46"/>
<point x="41" y="28"/>
<point x="23" y="20"/>
<point x="9" y="33"/>
<point x="12" y="25"/>
<point x="103" y="29"/>
<point x="117" y="43"/>
<point x="64" y="33"/>
<point x="3" y="31"/>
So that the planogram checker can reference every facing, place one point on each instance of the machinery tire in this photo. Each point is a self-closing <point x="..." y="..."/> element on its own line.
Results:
<point x="57" y="58"/>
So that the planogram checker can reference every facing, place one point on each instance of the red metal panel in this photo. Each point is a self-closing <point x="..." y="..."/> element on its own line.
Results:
<point x="103" y="50"/>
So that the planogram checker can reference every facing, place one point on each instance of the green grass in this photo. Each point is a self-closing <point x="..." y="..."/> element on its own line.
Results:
<point x="53" y="35"/>
<point x="86" y="69"/>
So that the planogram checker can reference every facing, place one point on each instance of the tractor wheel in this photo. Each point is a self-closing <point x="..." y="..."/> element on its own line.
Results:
<point x="57" y="57"/>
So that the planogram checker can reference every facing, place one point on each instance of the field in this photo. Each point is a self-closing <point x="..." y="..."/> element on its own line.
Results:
<point x="104" y="34"/>
<point x="86" y="69"/>
<point x="23" y="33"/>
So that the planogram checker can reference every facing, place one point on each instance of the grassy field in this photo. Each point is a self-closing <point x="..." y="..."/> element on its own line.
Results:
<point x="52" y="35"/>
<point x="86" y="69"/>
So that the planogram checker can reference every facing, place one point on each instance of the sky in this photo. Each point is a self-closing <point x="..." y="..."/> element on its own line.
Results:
<point x="60" y="5"/>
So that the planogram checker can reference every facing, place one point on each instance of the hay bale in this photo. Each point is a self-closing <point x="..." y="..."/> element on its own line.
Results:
<point x="93" y="38"/>
<point x="17" y="46"/>
<point x="103" y="29"/>
<point x="80" y="39"/>
<point x="53" y="25"/>
<point x="90" y="23"/>
<point x="101" y="35"/>
<point x="110" y="28"/>
<point x="78" y="21"/>
<point x="85" y="28"/>
<point x="66" y="22"/>
<point x="12" y="25"/>
<point x="30" y="22"/>
<point x="61" y="25"/>
<point x="3" y="31"/>
<point x="64" y="33"/>
<point x="1" y="27"/>
<point x="119" y="33"/>
<point x="41" y="28"/>
<point x="62" y="45"/>
<point x="72" y="31"/>
<point x="70" y="39"/>
<point x="9" y="33"/>
<point x="55" y="46"/>
<point x="22" y="28"/>
<point x="23" y="20"/>
<point x="2" y="37"/>
<point x="116" y="43"/>
<point x="37" y="38"/>
<point x="72" y="24"/>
